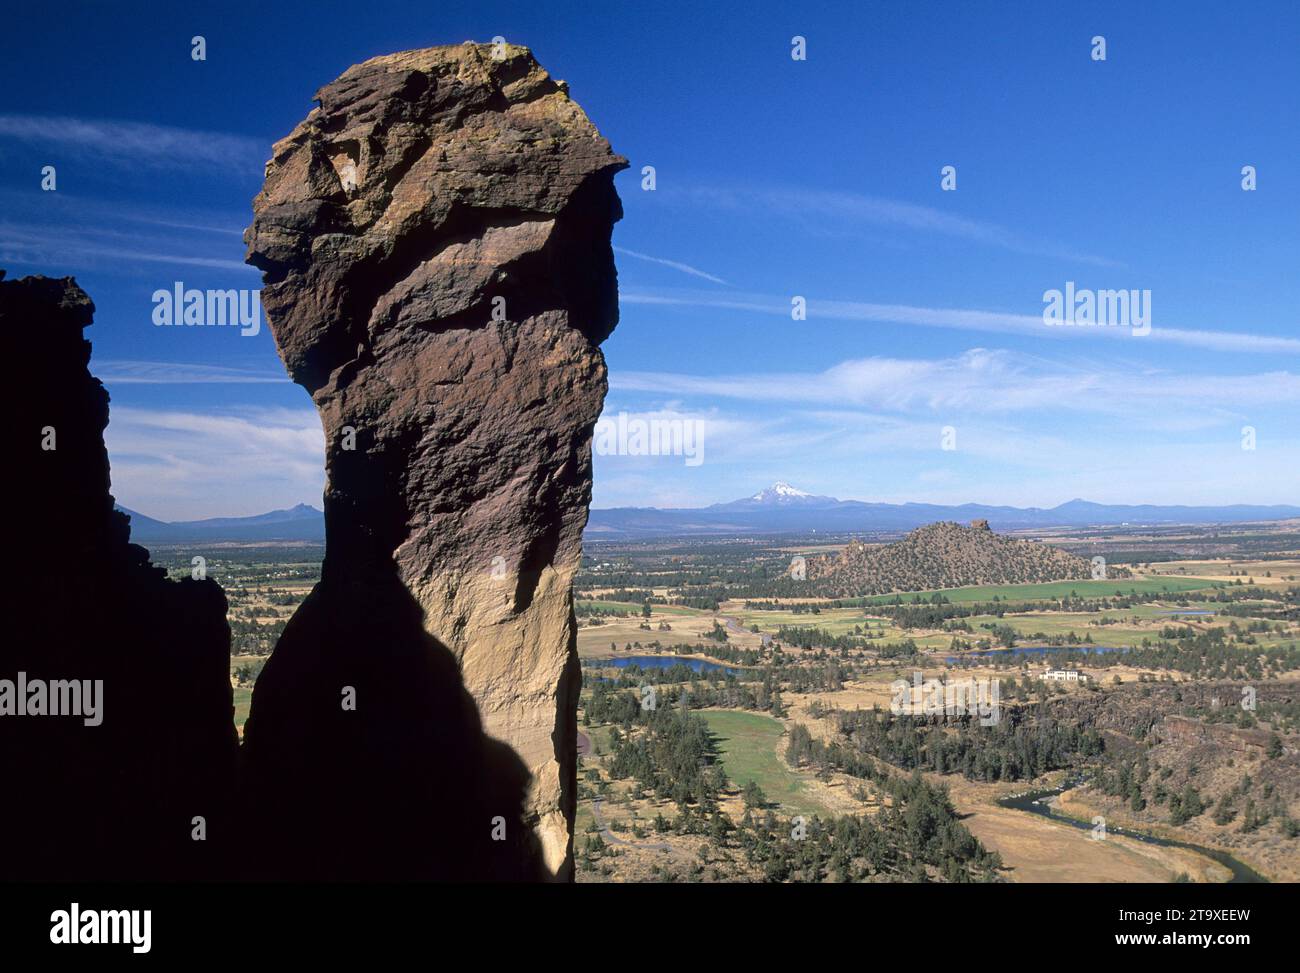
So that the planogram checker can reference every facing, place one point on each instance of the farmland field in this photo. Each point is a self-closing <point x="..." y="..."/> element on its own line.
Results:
<point x="243" y="700"/>
<point x="1055" y="589"/>
<point x="821" y="668"/>
<point x="747" y="743"/>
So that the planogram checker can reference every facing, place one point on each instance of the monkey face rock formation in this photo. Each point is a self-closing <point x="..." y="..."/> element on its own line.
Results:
<point x="435" y="240"/>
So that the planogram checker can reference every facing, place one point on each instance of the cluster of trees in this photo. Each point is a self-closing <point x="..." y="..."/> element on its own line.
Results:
<point x="708" y="603"/>
<point x="620" y="702"/>
<point x="246" y="673"/>
<point x="802" y="607"/>
<point x="609" y="704"/>
<point x="1254" y="813"/>
<point x="1280" y="714"/>
<point x="1209" y="654"/>
<point x="919" y="838"/>
<point x="1004" y="635"/>
<point x="807" y="637"/>
<point x="1133" y="780"/>
<point x="916" y="838"/>
<point x="933" y="610"/>
<point x="251" y="637"/>
<point x="634" y="675"/>
<point x="635" y="596"/>
<point x="905" y="649"/>
<point x="809" y="677"/>
<point x="1282" y="606"/>
<point x="826" y="677"/>
<point x="725" y="652"/>
<point x="587" y="609"/>
<point x="1021" y="746"/>
<point x="673" y="758"/>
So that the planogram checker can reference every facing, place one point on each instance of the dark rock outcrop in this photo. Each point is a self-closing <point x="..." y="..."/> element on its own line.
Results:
<point x="1187" y="733"/>
<point x="435" y="239"/>
<point x="118" y="799"/>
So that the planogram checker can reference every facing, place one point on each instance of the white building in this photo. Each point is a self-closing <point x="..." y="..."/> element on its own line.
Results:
<point x="1064" y="675"/>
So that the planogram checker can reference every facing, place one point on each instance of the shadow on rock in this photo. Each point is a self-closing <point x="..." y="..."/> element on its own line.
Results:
<point x="364" y="757"/>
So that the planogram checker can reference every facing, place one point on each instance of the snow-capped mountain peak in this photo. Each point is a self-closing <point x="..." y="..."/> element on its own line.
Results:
<point x="780" y="491"/>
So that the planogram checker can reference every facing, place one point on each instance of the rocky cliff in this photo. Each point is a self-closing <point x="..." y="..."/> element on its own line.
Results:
<point x="92" y="625"/>
<point x="435" y="242"/>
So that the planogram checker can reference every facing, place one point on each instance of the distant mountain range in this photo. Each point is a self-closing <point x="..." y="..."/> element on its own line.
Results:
<point x="782" y="508"/>
<point x="301" y="523"/>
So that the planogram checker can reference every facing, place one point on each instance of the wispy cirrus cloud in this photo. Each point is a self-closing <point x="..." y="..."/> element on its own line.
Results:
<point x="817" y="209"/>
<point x="175" y="464"/>
<point x="69" y="208"/>
<point x="674" y="264"/>
<point x="125" y="372"/>
<point x="967" y="319"/>
<point x="982" y="382"/>
<point x="170" y="224"/>
<point x="65" y="245"/>
<point x="870" y="454"/>
<point x="138" y="143"/>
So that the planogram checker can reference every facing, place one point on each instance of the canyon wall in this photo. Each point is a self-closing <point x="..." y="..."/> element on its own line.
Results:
<point x="435" y="243"/>
<point x="141" y="787"/>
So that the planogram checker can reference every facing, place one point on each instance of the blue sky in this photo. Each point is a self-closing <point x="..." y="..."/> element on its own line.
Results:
<point x="775" y="178"/>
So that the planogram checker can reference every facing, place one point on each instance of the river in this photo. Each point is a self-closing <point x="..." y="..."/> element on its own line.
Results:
<point x="1034" y="803"/>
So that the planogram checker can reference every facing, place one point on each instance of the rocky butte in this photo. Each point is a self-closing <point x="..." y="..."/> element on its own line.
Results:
<point x="435" y="243"/>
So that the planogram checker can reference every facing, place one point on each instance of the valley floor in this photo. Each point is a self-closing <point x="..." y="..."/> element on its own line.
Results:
<point x="640" y="836"/>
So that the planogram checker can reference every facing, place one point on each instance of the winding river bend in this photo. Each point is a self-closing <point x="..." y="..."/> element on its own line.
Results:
<point x="1032" y="801"/>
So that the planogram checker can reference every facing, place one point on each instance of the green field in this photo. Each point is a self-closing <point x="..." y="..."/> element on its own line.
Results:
<point x="243" y="700"/>
<point x="635" y="609"/>
<point x="1054" y="590"/>
<point x="837" y="621"/>
<point x="1046" y="622"/>
<point x="748" y="745"/>
<point x="599" y="737"/>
